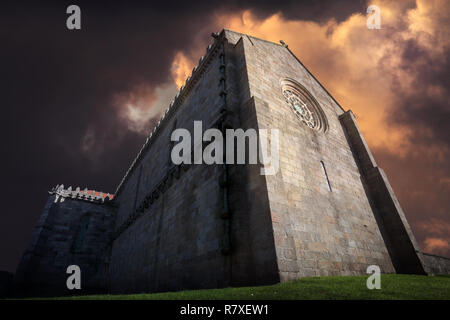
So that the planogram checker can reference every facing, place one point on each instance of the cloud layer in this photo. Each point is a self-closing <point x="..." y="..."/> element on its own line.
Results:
<point x="396" y="80"/>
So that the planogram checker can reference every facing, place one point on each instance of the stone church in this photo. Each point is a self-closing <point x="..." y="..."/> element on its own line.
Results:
<point x="329" y="209"/>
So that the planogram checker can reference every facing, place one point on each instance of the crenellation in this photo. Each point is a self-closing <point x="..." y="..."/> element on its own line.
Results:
<point x="87" y="195"/>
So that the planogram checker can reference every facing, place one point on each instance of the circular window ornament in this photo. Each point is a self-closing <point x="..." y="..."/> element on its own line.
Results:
<point x="304" y="105"/>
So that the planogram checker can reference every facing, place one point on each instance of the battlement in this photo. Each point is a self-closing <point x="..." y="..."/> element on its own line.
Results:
<point x="77" y="193"/>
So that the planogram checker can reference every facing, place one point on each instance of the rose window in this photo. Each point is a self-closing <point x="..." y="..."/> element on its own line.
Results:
<point x="301" y="109"/>
<point x="304" y="105"/>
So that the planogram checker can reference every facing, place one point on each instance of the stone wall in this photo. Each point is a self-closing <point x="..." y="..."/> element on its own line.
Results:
<point x="435" y="265"/>
<point x="317" y="232"/>
<point x="42" y="269"/>
<point x="168" y="228"/>
<point x="253" y="256"/>
<point x="196" y="226"/>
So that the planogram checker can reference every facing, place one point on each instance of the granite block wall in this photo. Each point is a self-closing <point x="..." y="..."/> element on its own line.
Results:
<point x="174" y="240"/>
<point x="394" y="227"/>
<point x="42" y="270"/>
<point x="436" y="265"/>
<point x="181" y="239"/>
<point x="317" y="232"/>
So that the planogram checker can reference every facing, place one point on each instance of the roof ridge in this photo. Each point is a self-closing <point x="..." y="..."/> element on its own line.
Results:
<point x="250" y="36"/>
<point x="282" y="44"/>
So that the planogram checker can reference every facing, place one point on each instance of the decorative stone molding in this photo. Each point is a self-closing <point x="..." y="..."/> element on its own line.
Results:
<point x="164" y="184"/>
<point x="225" y="215"/>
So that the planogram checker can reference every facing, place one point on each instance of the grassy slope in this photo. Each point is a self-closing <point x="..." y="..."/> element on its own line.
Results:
<point x="392" y="287"/>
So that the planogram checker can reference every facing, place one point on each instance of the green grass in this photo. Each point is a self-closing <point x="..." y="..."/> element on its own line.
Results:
<point x="393" y="286"/>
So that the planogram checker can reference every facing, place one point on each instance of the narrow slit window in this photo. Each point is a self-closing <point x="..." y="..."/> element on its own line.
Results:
<point x="81" y="235"/>
<point x="325" y="175"/>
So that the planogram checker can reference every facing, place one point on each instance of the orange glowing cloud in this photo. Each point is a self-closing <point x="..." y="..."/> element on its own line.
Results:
<point x="357" y="65"/>
<point x="354" y="63"/>
<point x="436" y="245"/>
<point x="345" y="56"/>
<point x="139" y="107"/>
<point x="182" y="67"/>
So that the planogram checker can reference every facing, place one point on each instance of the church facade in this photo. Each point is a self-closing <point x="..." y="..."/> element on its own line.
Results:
<point x="328" y="210"/>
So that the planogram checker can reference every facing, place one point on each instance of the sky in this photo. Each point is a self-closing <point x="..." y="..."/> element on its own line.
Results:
<point x="77" y="105"/>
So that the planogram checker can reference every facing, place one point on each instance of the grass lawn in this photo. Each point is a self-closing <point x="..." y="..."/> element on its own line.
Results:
<point x="393" y="286"/>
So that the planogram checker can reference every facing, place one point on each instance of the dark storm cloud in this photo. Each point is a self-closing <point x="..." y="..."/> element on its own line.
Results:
<point x="318" y="11"/>
<point x="428" y="107"/>
<point x="421" y="176"/>
<point x="422" y="186"/>
<point x="57" y="88"/>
